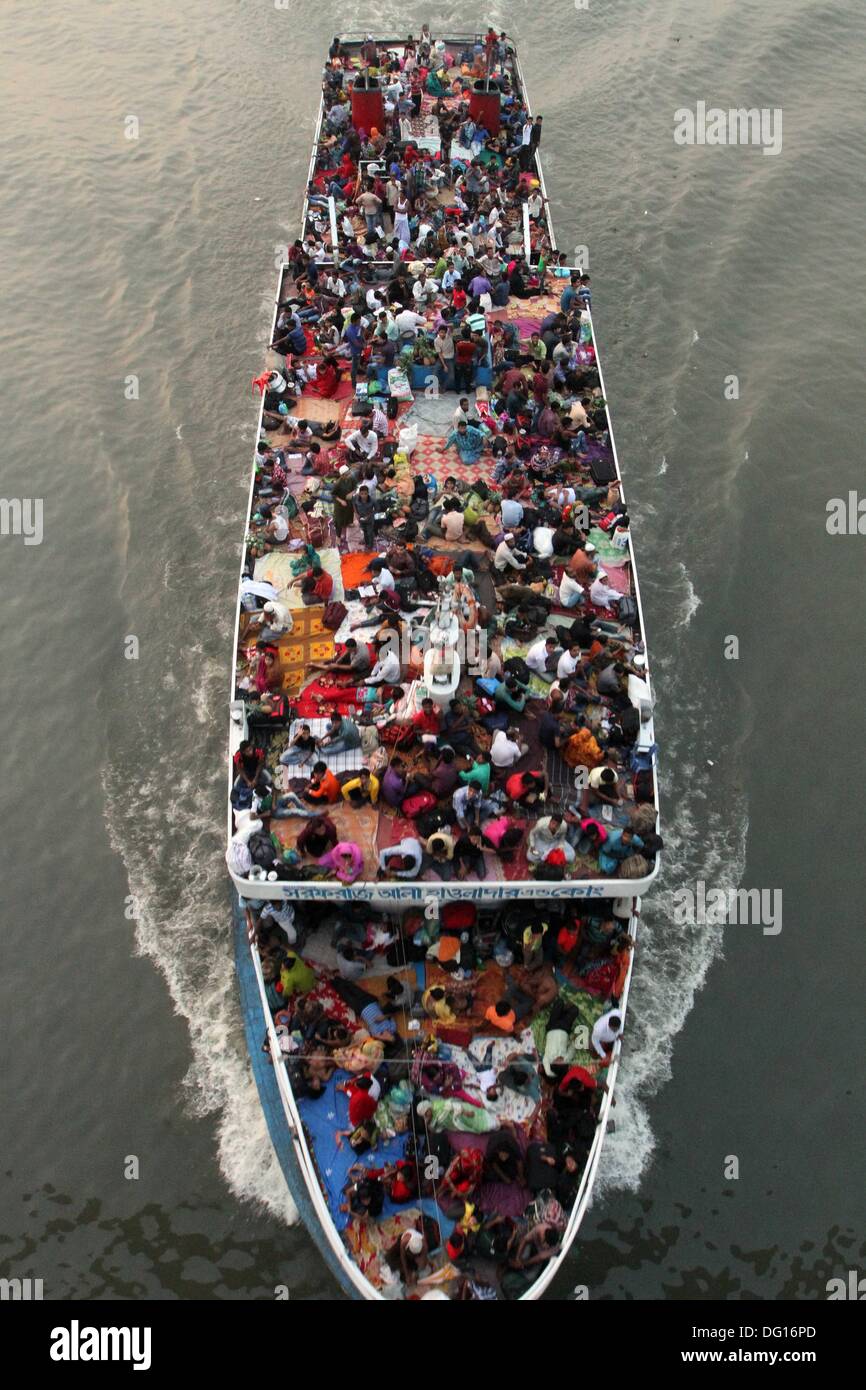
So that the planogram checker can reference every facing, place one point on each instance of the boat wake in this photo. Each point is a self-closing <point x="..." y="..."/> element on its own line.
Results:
<point x="705" y="839"/>
<point x="169" y="836"/>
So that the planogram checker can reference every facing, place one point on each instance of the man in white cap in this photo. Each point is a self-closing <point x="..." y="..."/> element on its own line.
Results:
<point x="276" y="621"/>
<point x="601" y="593"/>
<point x="408" y="1256"/>
<point x="505" y="558"/>
<point x="582" y="565"/>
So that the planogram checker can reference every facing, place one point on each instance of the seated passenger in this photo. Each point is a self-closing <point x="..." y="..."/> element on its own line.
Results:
<point x="506" y="748"/>
<point x="526" y="788"/>
<point x="501" y="1016"/>
<point x="408" y="1256"/>
<point x="470" y="806"/>
<point x="353" y="662"/>
<point x="542" y="658"/>
<point x="428" y="721"/>
<point x="503" y="1161"/>
<point x="394" y="786"/>
<point x="618" y="845"/>
<point x="605" y="1032"/>
<point x="362" y="790"/>
<point x="345" y="861"/>
<point x="511" y="693"/>
<point x="316" y="585"/>
<point x="296" y="977"/>
<point x="549" y="833"/>
<point x="504" y="834"/>
<point x="301" y="748"/>
<point x="479" y="773"/>
<point x="341" y="736"/>
<point x="323" y="786"/>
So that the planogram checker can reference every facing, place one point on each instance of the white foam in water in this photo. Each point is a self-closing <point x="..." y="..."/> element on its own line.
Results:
<point x="672" y="961"/>
<point x="169" y="836"/>
<point x="691" y="602"/>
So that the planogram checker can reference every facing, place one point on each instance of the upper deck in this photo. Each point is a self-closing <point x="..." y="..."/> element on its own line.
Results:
<point x="447" y="226"/>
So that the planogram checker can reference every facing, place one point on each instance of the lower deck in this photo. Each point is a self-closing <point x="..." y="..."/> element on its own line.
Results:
<point x="479" y="1133"/>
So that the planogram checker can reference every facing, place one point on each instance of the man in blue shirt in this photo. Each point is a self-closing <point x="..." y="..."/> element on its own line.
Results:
<point x="354" y="336"/>
<point x="568" y="296"/>
<point x="469" y="442"/>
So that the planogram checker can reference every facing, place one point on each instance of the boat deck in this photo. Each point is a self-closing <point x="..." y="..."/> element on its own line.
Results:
<point x="311" y="695"/>
<point x="479" y="1136"/>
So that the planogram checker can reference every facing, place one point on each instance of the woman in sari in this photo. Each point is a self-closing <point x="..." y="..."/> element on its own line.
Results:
<point x="327" y="379"/>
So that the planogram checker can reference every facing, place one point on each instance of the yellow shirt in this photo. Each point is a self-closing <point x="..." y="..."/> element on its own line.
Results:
<point x="355" y="785"/>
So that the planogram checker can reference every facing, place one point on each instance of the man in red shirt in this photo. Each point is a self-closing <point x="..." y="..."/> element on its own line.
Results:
<point x="465" y="353"/>
<point x="428" y="720"/>
<point x="316" y="586"/>
<point x="363" y="1093"/>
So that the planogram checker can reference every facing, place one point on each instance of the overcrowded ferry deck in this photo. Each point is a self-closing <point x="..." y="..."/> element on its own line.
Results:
<point x="443" y="802"/>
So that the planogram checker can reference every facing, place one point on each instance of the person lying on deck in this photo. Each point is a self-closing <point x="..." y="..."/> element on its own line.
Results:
<point x="402" y="860"/>
<point x="441" y="1113"/>
<point x="369" y="1011"/>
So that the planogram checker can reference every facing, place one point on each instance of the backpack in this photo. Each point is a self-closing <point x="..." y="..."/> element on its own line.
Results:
<point x="334" y="615"/>
<point x="603" y="470"/>
<point x="262" y="850"/>
<point x="392" y="408"/>
<point x="516" y="666"/>
<point x="415" y="805"/>
<point x="628" y="611"/>
<point x="430" y="821"/>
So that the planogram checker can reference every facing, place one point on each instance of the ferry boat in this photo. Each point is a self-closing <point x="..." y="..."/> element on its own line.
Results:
<point x="443" y="804"/>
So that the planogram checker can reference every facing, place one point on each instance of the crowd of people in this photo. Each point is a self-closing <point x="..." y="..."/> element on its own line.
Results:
<point x="450" y="1072"/>
<point x="536" y="758"/>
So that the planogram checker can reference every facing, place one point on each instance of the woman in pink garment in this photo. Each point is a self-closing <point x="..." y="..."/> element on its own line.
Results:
<point x="345" y="861"/>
